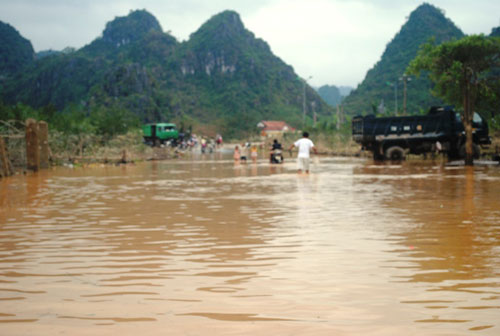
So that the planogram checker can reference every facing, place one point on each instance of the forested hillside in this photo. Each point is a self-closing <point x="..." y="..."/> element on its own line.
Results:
<point x="222" y="76"/>
<point x="15" y="51"/>
<point x="378" y="92"/>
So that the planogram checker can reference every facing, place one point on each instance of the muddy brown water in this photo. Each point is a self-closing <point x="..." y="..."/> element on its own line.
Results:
<point x="202" y="246"/>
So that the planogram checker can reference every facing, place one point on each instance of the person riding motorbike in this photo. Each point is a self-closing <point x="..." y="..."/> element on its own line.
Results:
<point x="276" y="155"/>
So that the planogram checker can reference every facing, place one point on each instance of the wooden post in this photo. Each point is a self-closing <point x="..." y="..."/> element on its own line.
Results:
<point x="43" y="142"/>
<point x="124" y="156"/>
<point x="32" y="150"/>
<point x="4" y="159"/>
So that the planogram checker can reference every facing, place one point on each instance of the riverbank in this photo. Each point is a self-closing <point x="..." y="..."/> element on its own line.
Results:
<point x="129" y="148"/>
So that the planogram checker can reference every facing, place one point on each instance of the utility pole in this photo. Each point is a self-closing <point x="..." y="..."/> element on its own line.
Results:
<point x="396" y="98"/>
<point x="304" y="102"/>
<point x="395" y="84"/>
<point x="313" y="105"/>
<point x="338" y="117"/>
<point x="405" y="79"/>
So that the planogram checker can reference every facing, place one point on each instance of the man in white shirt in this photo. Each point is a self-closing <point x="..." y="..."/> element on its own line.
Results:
<point x="304" y="145"/>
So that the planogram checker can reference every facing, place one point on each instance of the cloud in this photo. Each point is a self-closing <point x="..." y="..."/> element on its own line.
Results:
<point x="327" y="35"/>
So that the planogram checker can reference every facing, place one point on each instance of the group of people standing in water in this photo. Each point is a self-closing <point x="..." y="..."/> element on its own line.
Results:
<point x="242" y="154"/>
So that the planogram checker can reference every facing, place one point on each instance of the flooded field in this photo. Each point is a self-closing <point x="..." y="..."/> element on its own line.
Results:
<point x="202" y="246"/>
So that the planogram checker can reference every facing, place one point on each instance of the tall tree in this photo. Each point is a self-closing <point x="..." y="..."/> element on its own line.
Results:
<point x="462" y="73"/>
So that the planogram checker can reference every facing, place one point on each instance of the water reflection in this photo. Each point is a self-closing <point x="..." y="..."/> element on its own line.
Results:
<point x="353" y="248"/>
<point x="449" y="243"/>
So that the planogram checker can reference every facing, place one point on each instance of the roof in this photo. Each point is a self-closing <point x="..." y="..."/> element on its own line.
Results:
<point x="273" y="125"/>
<point x="160" y="124"/>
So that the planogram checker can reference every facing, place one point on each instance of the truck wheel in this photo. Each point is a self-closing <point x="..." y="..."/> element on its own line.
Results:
<point x="395" y="153"/>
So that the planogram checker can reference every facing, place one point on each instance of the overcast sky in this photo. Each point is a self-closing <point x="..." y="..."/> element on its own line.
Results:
<point x="333" y="41"/>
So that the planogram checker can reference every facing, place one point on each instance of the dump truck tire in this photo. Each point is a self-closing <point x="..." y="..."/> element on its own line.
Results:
<point x="395" y="153"/>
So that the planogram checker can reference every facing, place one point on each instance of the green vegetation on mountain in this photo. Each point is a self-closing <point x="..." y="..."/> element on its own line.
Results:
<point x="424" y="23"/>
<point x="238" y="79"/>
<point x="222" y="78"/>
<point x="15" y="51"/>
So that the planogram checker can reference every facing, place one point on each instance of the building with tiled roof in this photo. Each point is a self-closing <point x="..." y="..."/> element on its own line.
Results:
<point x="273" y="127"/>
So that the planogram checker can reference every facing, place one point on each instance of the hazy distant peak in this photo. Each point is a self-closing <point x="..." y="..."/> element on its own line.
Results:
<point x="495" y="32"/>
<point x="126" y="29"/>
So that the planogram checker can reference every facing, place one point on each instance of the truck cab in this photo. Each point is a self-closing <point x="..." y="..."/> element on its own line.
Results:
<point x="155" y="134"/>
<point x="480" y="129"/>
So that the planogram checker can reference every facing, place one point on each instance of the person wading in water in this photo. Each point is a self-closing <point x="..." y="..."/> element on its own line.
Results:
<point x="304" y="145"/>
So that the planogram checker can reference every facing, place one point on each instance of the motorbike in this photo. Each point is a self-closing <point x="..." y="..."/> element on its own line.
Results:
<point x="277" y="156"/>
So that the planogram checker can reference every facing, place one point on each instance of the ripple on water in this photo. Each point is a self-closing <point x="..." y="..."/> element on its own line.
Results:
<point x="351" y="246"/>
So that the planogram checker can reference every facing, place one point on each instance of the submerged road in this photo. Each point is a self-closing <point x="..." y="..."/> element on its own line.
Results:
<point x="204" y="246"/>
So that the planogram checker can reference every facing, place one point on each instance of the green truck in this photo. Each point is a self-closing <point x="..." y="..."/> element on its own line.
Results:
<point x="156" y="134"/>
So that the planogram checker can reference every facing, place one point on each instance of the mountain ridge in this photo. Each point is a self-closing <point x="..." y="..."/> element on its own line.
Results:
<point x="222" y="74"/>
<point x="379" y="85"/>
<point x="15" y="51"/>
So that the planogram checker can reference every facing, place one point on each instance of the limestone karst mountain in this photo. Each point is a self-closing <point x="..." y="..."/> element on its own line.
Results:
<point x="378" y="91"/>
<point x="223" y="75"/>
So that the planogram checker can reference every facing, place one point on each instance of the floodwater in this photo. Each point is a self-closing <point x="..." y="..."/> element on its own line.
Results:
<point x="202" y="246"/>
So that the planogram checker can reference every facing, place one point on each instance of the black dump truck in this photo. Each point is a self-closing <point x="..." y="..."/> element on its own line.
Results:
<point x="441" y="130"/>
